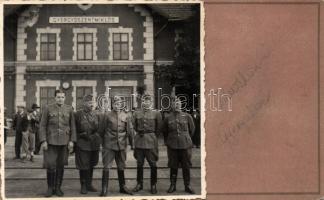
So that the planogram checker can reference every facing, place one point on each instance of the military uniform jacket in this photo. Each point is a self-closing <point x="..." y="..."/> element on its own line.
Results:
<point x="178" y="127"/>
<point x="147" y="124"/>
<point x="57" y="125"/>
<point x="115" y="129"/>
<point x="87" y="124"/>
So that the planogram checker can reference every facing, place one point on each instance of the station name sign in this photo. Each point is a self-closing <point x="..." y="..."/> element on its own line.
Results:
<point x="84" y="20"/>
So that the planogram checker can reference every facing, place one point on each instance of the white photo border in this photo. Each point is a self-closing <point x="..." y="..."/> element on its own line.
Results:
<point x="202" y="91"/>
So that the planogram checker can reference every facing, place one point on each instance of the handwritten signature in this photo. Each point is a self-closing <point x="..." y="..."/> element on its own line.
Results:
<point x="252" y="112"/>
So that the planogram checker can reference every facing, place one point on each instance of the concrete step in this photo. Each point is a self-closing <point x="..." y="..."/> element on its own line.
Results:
<point x="28" y="180"/>
<point x="71" y="188"/>
<point x="69" y="173"/>
<point x="130" y="163"/>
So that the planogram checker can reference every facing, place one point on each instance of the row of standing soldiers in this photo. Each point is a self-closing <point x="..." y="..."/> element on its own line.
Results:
<point x="62" y="131"/>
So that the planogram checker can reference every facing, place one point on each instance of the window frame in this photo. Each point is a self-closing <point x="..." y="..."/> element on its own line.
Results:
<point x="77" y="98"/>
<point x="45" y="57"/>
<point x="120" y="43"/>
<point x="84" y="43"/>
<point x="127" y="98"/>
<point x="47" y="95"/>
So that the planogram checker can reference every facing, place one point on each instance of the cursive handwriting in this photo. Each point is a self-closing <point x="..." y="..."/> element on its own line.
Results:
<point x="251" y="113"/>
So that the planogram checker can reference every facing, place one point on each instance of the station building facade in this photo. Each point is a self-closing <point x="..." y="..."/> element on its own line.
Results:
<point x="100" y="49"/>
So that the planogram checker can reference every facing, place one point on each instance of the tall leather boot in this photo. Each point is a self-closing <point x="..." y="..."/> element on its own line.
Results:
<point x="153" y="180"/>
<point x="90" y="187"/>
<point x="58" y="182"/>
<point x="173" y="180"/>
<point x="104" y="182"/>
<point x="50" y="182"/>
<point x="186" y="180"/>
<point x="83" y="181"/>
<point x="139" y="178"/>
<point x="122" y="187"/>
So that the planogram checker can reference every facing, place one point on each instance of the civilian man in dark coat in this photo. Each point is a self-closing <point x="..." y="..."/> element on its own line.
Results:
<point x="57" y="135"/>
<point x="88" y="143"/>
<point x="115" y="130"/>
<point x="178" y="128"/>
<point x="31" y="136"/>
<point x="6" y="128"/>
<point x="36" y="121"/>
<point x="147" y="125"/>
<point x="20" y="124"/>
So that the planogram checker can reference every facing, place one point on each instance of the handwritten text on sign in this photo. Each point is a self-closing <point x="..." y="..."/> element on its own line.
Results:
<point x="83" y="20"/>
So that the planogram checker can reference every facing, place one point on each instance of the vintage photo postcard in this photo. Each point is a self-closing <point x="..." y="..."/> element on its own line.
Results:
<point x="102" y="100"/>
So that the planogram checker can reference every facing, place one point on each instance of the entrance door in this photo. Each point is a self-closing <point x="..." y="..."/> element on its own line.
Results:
<point x="47" y="96"/>
<point x="80" y="93"/>
<point x="125" y="92"/>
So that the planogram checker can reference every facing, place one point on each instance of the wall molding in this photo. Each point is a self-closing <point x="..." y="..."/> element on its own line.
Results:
<point x="80" y="62"/>
<point x="148" y="34"/>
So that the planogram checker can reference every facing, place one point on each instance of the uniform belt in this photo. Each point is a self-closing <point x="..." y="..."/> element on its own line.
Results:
<point x="179" y="133"/>
<point x="145" y="132"/>
<point x="115" y="132"/>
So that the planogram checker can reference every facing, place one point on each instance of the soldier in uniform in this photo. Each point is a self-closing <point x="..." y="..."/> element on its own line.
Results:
<point x="178" y="127"/>
<point x="147" y="125"/>
<point x="115" y="130"/>
<point x="57" y="136"/>
<point x="88" y="143"/>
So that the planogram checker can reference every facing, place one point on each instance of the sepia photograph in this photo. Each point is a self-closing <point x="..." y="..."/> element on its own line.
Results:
<point x="103" y="100"/>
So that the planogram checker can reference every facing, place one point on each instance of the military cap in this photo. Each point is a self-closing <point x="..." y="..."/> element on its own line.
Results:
<point x="88" y="97"/>
<point x="117" y="98"/>
<point x="147" y="97"/>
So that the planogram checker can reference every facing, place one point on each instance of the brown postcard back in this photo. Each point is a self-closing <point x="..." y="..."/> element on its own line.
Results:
<point x="264" y="58"/>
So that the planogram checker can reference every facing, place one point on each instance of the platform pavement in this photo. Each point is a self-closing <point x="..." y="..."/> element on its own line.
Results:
<point x="29" y="179"/>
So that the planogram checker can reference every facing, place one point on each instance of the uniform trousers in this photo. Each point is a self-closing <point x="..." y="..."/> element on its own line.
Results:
<point x="150" y="155"/>
<point x="56" y="156"/>
<point x="85" y="160"/>
<point x="109" y="155"/>
<point x="179" y="158"/>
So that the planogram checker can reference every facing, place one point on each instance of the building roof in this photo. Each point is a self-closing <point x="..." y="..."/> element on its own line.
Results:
<point x="12" y="9"/>
<point x="169" y="11"/>
<point x="174" y="11"/>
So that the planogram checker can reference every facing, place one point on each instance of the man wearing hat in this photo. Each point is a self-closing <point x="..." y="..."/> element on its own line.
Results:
<point x="178" y="128"/>
<point x="36" y="120"/>
<point x="19" y="125"/>
<point x="115" y="129"/>
<point x="147" y="125"/>
<point x="30" y="136"/>
<point x="88" y="143"/>
<point x="57" y="135"/>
